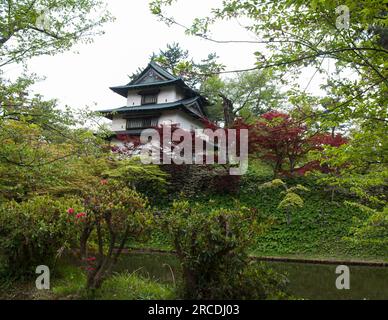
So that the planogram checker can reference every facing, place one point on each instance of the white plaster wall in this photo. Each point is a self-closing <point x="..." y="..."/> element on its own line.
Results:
<point x="167" y="117"/>
<point x="133" y="99"/>
<point x="166" y="95"/>
<point x="179" y="117"/>
<point x="118" y="123"/>
<point x="169" y="94"/>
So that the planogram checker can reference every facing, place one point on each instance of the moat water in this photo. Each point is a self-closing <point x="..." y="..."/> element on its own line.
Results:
<point x="308" y="281"/>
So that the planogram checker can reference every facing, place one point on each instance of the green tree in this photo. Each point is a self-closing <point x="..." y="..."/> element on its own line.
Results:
<point x="293" y="35"/>
<point x="248" y="95"/>
<point x="44" y="150"/>
<point x="373" y="230"/>
<point x="291" y="201"/>
<point x="178" y="61"/>
<point x="42" y="146"/>
<point x="31" y="28"/>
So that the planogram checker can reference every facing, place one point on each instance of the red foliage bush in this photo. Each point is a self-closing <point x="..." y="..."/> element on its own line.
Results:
<point x="280" y="140"/>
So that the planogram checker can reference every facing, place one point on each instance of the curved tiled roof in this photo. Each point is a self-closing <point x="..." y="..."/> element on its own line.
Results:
<point x="158" y="69"/>
<point x="166" y="79"/>
<point x="188" y="105"/>
<point x="153" y="77"/>
<point x="123" y="90"/>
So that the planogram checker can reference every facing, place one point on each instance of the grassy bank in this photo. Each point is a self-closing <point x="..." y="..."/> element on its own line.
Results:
<point x="69" y="281"/>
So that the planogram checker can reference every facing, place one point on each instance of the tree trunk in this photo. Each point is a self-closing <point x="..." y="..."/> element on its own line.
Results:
<point x="189" y="283"/>
<point x="292" y="164"/>
<point x="227" y="105"/>
<point x="105" y="262"/>
<point x="83" y="243"/>
<point x="278" y="167"/>
<point x="95" y="278"/>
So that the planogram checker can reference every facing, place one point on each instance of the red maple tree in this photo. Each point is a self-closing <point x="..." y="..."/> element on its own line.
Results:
<point x="282" y="140"/>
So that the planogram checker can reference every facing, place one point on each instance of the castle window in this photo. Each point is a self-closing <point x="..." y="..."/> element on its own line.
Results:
<point x="149" y="99"/>
<point x="140" y="123"/>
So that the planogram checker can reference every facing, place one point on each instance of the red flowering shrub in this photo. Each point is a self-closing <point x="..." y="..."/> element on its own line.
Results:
<point x="33" y="232"/>
<point x="114" y="213"/>
<point x="80" y="215"/>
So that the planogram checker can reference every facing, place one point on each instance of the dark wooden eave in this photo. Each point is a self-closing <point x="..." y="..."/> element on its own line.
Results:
<point x="192" y="106"/>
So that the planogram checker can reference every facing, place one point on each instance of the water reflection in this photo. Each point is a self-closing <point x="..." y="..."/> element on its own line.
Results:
<point x="309" y="281"/>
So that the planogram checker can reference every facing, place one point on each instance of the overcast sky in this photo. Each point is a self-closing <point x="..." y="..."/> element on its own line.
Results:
<point x="83" y="78"/>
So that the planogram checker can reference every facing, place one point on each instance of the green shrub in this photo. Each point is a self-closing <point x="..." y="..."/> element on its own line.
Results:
<point x="291" y="201"/>
<point x="149" y="180"/>
<point x="371" y="231"/>
<point x="193" y="180"/>
<point x="34" y="232"/>
<point x="212" y="249"/>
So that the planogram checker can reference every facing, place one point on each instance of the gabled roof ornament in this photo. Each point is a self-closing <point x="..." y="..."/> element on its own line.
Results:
<point x="159" y="78"/>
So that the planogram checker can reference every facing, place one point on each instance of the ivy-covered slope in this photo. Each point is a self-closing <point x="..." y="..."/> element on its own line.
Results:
<point x="317" y="230"/>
